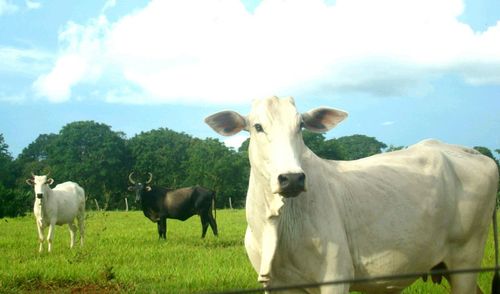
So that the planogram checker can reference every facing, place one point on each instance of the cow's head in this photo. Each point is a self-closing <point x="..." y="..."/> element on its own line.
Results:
<point x="276" y="144"/>
<point x="40" y="184"/>
<point x="139" y="187"/>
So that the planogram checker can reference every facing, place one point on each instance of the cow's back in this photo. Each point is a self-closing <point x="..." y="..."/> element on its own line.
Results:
<point x="408" y="206"/>
<point x="202" y="198"/>
<point x="475" y="179"/>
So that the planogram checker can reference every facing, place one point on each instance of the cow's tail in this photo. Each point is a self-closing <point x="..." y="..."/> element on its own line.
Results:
<point x="495" y="285"/>
<point x="213" y="206"/>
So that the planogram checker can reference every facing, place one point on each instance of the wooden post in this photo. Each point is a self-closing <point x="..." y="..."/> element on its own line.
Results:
<point x="97" y="204"/>
<point x="126" y="204"/>
<point x="230" y="203"/>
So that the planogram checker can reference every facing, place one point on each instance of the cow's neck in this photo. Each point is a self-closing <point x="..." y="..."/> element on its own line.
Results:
<point x="271" y="215"/>
<point x="151" y="204"/>
<point x="263" y="220"/>
<point x="43" y="202"/>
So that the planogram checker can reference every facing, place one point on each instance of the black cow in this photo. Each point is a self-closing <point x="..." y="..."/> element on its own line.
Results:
<point x="159" y="203"/>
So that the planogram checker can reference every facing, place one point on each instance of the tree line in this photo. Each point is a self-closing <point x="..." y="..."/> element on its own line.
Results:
<point x="100" y="160"/>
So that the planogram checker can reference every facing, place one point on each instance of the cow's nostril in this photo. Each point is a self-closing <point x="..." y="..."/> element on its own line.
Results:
<point x="283" y="180"/>
<point x="301" y="179"/>
<point x="291" y="184"/>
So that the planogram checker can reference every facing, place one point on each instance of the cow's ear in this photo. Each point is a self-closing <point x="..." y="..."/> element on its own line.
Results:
<point x="30" y="182"/>
<point x="323" y="119"/>
<point x="226" y="123"/>
<point x="50" y="181"/>
<point x="148" y="188"/>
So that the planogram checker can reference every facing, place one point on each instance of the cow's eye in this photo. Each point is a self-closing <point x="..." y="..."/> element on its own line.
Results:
<point x="258" y="128"/>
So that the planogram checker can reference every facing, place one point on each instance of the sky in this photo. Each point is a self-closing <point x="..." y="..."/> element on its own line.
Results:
<point x="404" y="70"/>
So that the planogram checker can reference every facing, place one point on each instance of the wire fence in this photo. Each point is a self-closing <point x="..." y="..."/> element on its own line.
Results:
<point x="407" y="276"/>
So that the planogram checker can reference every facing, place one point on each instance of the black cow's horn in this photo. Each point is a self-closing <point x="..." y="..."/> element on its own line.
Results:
<point x="150" y="178"/>
<point x="130" y="178"/>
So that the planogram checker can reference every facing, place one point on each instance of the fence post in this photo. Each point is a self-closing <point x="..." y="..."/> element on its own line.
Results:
<point x="126" y="204"/>
<point x="230" y="203"/>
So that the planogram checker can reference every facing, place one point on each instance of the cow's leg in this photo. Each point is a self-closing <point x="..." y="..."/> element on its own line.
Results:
<point x="72" y="233"/>
<point x="162" y="228"/>
<point x="464" y="283"/>
<point x="81" y="227"/>
<point x="41" y="236"/>
<point x="204" y="224"/>
<point x="213" y="224"/>
<point x="52" y="231"/>
<point x="159" y="229"/>
<point x="468" y="256"/>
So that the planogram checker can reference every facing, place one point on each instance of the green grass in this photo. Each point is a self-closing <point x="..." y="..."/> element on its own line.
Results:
<point x="122" y="253"/>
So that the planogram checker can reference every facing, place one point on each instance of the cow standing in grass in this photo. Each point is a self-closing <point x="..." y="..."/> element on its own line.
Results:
<point x="312" y="220"/>
<point x="57" y="206"/>
<point x="159" y="203"/>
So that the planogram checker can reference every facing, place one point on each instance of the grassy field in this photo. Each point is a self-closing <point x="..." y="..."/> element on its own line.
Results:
<point x="123" y="254"/>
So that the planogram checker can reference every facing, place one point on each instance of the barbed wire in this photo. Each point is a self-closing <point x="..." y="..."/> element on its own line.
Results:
<point x="416" y="275"/>
<point x="407" y="276"/>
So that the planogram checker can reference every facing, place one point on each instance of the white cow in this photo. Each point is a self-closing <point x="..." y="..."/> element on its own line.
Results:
<point x="57" y="206"/>
<point x="312" y="220"/>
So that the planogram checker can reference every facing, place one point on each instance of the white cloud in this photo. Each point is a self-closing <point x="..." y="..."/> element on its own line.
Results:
<point x="6" y="7"/>
<point x="387" y="123"/>
<point x="214" y="51"/>
<point x="33" y="4"/>
<point x="80" y="61"/>
<point x="109" y="4"/>
<point x="57" y="84"/>
<point x="12" y="98"/>
<point x="235" y="141"/>
<point x="24" y="61"/>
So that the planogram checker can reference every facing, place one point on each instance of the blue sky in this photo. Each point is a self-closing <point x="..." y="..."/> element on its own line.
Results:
<point x="405" y="70"/>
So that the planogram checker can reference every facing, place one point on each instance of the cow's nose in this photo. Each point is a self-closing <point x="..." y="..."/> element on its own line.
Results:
<point x="39" y="195"/>
<point x="292" y="184"/>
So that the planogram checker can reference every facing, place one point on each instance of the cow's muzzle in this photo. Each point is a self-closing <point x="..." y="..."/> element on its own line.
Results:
<point x="291" y="184"/>
<point x="39" y="195"/>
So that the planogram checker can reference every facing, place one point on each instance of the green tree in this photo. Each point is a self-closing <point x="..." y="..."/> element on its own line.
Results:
<point x="211" y="164"/>
<point x="13" y="202"/>
<point x="326" y="149"/>
<point x="162" y="153"/>
<point x="34" y="158"/>
<point x="6" y="176"/>
<point x="314" y="141"/>
<point x="95" y="157"/>
<point x="358" y="146"/>
<point x="394" y="148"/>
<point x="485" y="151"/>
<point x="39" y="149"/>
<point x="244" y="146"/>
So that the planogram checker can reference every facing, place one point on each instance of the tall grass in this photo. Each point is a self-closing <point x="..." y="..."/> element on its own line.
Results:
<point x="122" y="253"/>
